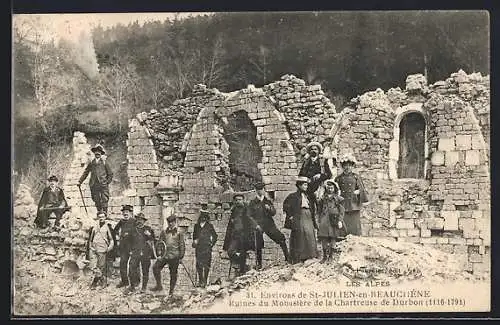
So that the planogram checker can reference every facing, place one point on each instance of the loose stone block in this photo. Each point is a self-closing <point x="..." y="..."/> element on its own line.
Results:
<point x="450" y="220"/>
<point x="446" y="144"/>
<point x="437" y="158"/>
<point x="463" y="141"/>
<point x="472" y="158"/>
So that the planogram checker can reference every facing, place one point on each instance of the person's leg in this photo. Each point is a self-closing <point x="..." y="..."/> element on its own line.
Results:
<point x="134" y="271"/>
<point x="124" y="257"/>
<point x="279" y="238"/>
<point x="104" y="198"/>
<point x="173" y="266"/>
<point x="324" y="246"/>
<point x="199" y="270"/>
<point x="157" y="267"/>
<point x="58" y="214"/>
<point x="145" y="264"/>
<point x="95" y="195"/>
<point x="101" y="266"/>
<point x="331" y="245"/>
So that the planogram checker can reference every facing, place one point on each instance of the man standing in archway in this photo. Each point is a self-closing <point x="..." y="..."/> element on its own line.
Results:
<point x="100" y="178"/>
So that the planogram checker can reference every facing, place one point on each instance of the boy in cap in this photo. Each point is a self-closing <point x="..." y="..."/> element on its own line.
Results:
<point x="142" y="253"/>
<point x="51" y="201"/>
<point x="99" y="244"/>
<point x="100" y="178"/>
<point x="204" y="238"/>
<point x="174" y="253"/>
<point x="315" y="167"/>
<point x="125" y="228"/>
<point x="354" y="194"/>
<point x="261" y="212"/>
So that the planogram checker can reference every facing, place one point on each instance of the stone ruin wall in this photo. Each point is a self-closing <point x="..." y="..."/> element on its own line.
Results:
<point x="449" y="208"/>
<point x="187" y="141"/>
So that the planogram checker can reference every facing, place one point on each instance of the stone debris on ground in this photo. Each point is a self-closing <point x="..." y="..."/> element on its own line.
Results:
<point x="41" y="291"/>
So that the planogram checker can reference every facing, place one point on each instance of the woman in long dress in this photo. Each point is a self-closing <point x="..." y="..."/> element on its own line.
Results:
<point x="299" y="210"/>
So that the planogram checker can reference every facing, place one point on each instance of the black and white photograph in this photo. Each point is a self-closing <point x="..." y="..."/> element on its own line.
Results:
<point x="250" y="163"/>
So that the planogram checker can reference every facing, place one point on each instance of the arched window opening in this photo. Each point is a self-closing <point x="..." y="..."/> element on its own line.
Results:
<point x="411" y="162"/>
<point x="244" y="151"/>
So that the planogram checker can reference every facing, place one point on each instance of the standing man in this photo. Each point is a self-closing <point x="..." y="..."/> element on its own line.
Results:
<point x="100" y="178"/>
<point x="354" y="194"/>
<point x="261" y="212"/>
<point x="51" y="201"/>
<point x="238" y="234"/>
<point x="315" y="168"/>
<point x="142" y="253"/>
<point x="174" y="253"/>
<point x="99" y="244"/>
<point x="204" y="238"/>
<point x="125" y="228"/>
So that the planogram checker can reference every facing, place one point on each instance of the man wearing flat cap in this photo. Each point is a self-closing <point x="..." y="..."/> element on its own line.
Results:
<point x="141" y="253"/>
<point x="260" y="212"/>
<point x="175" y="248"/>
<point x="354" y="193"/>
<point x="125" y="228"/>
<point x="51" y="201"/>
<point x="100" y="178"/>
<point x="315" y="167"/>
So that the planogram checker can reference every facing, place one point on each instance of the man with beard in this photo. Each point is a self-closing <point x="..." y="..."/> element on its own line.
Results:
<point x="237" y="238"/>
<point x="100" y="178"/>
<point x="261" y="212"/>
<point x="125" y="228"/>
<point x="51" y="201"/>
<point x="315" y="167"/>
<point x="174" y="253"/>
<point x="354" y="194"/>
<point x="142" y="253"/>
<point x="99" y="244"/>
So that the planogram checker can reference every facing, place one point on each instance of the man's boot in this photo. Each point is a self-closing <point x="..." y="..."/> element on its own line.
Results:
<point x="258" y="259"/>
<point x="158" y="286"/>
<point x="129" y="290"/>
<point x="122" y="284"/>
<point x="93" y="285"/>
<point x="205" y="276"/>
<point x="325" y="255"/>
<point x="285" y="252"/>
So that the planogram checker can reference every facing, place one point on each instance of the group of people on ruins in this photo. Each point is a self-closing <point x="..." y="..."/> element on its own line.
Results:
<point x="321" y="209"/>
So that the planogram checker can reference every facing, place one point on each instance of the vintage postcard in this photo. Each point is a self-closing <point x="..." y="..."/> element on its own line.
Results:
<point x="251" y="163"/>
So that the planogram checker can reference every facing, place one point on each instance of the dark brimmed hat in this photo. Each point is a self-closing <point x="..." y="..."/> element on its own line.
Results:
<point x="53" y="178"/>
<point x="128" y="207"/>
<point x="171" y="217"/>
<point x="259" y="185"/>
<point x="141" y="215"/>
<point x="98" y="148"/>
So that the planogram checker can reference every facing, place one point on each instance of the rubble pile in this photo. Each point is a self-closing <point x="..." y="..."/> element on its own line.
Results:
<point x="24" y="212"/>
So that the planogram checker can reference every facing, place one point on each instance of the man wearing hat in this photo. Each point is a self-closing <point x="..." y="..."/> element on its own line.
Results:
<point x="315" y="167"/>
<point x="261" y="212"/>
<point x="100" y="242"/>
<point x="126" y="229"/>
<point x="141" y="253"/>
<point x="51" y="201"/>
<point x="300" y="219"/>
<point x="204" y="239"/>
<point x="238" y="234"/>
<point x="100" y="178"/>
<point x="174" y="253"/>
<point x="354" y="194"/>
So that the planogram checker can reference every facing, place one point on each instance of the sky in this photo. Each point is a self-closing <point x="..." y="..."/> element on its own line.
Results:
<point x="70" y="26"/>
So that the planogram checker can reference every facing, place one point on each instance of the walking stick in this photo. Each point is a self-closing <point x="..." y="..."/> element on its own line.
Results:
<point x="255" y="243"/>
<point x="189" y="275"/>
<point x="83" y="200"/>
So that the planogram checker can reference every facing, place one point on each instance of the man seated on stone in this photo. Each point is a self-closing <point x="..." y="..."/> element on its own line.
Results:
<point x="99" y="244"/>
<point x="174" y="252"/>
<point x="261" y="212"/>
<point x="238" y="233"/>
<point x="142" y="253"/>
<point x="51" y="201"/>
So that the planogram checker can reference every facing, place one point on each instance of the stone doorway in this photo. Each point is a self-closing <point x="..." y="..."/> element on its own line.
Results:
<point x="412" y="146"/>
<point x="245" y="153"/>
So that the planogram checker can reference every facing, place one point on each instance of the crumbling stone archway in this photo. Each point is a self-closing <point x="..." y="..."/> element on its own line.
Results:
<point x="409" y="149"/>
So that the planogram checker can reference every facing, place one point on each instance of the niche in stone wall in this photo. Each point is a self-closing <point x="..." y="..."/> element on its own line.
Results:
<point x="245" y="153"/>
<point x="411" y="162"/>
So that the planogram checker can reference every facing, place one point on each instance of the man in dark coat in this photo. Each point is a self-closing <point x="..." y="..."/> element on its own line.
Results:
<point x="354" y="193"/>
<point x="204" y="238"/>
<point x="315" y="168"/>
<point x="51" y="201"/>
<point x="125" y="228"/>
<point x="100" y="178"/>
<point x="237" y="239"/>
<point x="260" y="213"/>
<point x="142" y="253"/>
<point x="174" y="253"/>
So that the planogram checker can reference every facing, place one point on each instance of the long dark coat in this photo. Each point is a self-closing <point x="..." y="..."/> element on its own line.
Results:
<point x="310" y="168"/>
<point x="260" y="213"/>
<point x="49" y="199"/>
<point x="348" y="183"/>
<point x="330" y="212"/>
<point x="238" y="232"/>
<point x="100" y="173"/>
<point x="206" y="237"/>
